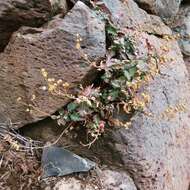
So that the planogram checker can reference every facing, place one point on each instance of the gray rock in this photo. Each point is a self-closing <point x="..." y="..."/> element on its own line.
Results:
<point x="181" y="25"/>
<point x="71" y="184"/>
<point x="155" y="150"/>
<point x="87" y="2"/>
<point x="58" y="161"/>
<point x="14" y="14"/>
<point x="52" y="47"/>
<point x="133" y="17"/>
<point x="110" y="180"/>
<point x="117" y="180"/>
<point x="163" y="8"/>
<point x="187" y="63"/>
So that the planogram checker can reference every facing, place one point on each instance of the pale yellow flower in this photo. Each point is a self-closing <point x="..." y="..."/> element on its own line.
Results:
<point x="66" y="85"/>
<point x="44" y="73"/>
<point x="19" y="99"/>
<point x="33" y="97"/>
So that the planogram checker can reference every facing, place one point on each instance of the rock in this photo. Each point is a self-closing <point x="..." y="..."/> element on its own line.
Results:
<point x="134" y="18"/>
<point x="110" y="180"/>
<point x="187" y="63"/>
<point x="181" y="25"/>
<point x="155" y="150"/>
<point x="71" y="184"/>
<point x="163" y="8"/>
<point x="87" y="2"/>
<point x="74" y="184"/>
<point x="52" y="47"/>
<point x="14" y="14"/>
<point x="57" y="161"/>
<point x="117" y="180"/>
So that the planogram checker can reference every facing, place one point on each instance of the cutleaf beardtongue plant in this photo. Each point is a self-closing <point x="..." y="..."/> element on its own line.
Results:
<point x="123" y="75"/>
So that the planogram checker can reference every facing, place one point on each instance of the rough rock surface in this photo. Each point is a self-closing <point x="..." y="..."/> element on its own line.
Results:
<point x="110" y="180"/>
<point x="155" y="150"/>
<point x="14" y="14"/>
<point x="187" y="63"/>
<point x="163" y="8"/>
<point x="181" y="25"/>
<point x="131" y="16"/>
<point x="87" y="2"/>
<point x="52" y="47"/>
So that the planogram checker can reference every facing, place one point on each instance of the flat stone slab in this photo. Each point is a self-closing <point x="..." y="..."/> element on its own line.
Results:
<point x="57" y="161"/>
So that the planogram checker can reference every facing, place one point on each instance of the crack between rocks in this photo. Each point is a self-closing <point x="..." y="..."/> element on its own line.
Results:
<point x="132" y="178"/>
<point x="161" y="36"/>
<point x="134" y="181"/>
<point x="166" y="97"/>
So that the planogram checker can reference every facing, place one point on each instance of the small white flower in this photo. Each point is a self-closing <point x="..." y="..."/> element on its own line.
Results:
<point x="44" y="88"/>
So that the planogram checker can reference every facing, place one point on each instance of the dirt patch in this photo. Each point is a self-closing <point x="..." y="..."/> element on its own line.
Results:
<point x="19" y="169"/>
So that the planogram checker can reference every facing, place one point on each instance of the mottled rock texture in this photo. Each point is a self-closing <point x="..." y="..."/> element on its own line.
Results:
<point x="110" y="180"/>
<point x="187" y="62"/>
<point x="180" y="24"/>
<point x="131" y="16"/>
<point x="14" y="14"/>
<point x="154" y="153"/>
<point x="155" y="150"/>
<point x="163" y="8"/>
<point x="52" y="47"/>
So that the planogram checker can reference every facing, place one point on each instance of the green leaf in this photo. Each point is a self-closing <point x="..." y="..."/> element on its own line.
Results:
<point x="96" y="119"/>
<point x="111" y="30"/>
<point x="102" y="113"/>
<point x="71" y="107"/>
<point x="114" y="94"/>
<point x="132" y="71"/>
<point x="115" y="83"/>
<point x="97" y="8"/>
<point x="128" y="44"/>
<point x="127" y="75"/>
<point x="107" y="76"/>
<point x="75" y="117"/>
<point x="116" y="47"/>
<point x="83" y="65"/>
<point x="142" y="66"/>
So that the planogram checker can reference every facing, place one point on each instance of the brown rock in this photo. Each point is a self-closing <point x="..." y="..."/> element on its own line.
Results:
<point x="14" y="14"/>
<point x="52" y="48"/>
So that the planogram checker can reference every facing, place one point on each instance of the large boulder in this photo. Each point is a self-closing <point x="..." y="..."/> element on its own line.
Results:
<point x="106" y="180"/>
<point x="180" y="24"/>
<point x="52" y="47"/>
<point x="14" y="14"/>
<point x="163" y="8"/>
<point x="131" y="16"/>
<point x="155" y="150"/>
